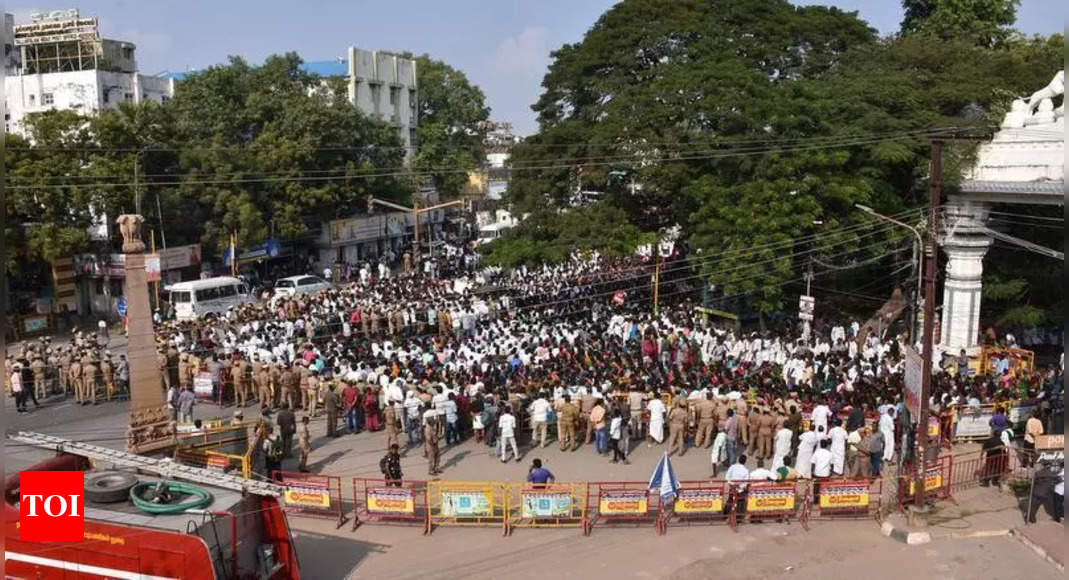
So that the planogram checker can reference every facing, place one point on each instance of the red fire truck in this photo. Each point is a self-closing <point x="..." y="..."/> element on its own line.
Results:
<point x="238" y="529"/>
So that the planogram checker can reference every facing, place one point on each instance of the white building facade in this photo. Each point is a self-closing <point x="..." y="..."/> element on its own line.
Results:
<point x="385" y="86"/>
<point x="94" y="75"/>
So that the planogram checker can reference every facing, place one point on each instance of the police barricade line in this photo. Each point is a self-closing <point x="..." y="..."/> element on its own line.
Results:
<point x="555" y="505"/>
<point x="614" y="502"/>
<point x="384" y="501"/>
<point x="467" y="503"/>
<point x="212" y="459"/>
<point x="699" y="502"/>
<point x="761" y="501"/>
<point x="844" y="499"/>
<point x="938" y="475"/>
<point x="310" y="494"/>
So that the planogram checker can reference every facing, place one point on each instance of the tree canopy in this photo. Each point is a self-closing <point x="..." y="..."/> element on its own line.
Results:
<point x="986" y="23"/>
<point x="452" y="116"/>
<point x="756" y="126"/>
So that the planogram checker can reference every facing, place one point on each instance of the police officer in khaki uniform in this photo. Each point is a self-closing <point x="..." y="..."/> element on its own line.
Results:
<point x="51" y="370"/>
<point x="262" y="378"/>
<point x="64" y="370"/>
<point x="75" y="375"/>
<point x="706" y="411"/>
<point x="38" y="368"/>
<point x="161" y="363"/>
<point x="241" y="383"/>
<point x="107" y="369"/>
<point x="677" y="427"/>
<point x="275" y="383"/>
<point x="184" y="378"/>
<point x="765" y="430"/>
<point x="568" y="418"/>
<point x="90" y="378"/>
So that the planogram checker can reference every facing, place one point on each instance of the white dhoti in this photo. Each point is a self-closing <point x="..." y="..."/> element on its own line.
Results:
<point x="780" y="452"/>
<point x="804" y="463"/>
<point x="720" y="451"/>
<point x="838" y="461"/>
<point x="657" y="429"/>
<point x="889" y="444"/>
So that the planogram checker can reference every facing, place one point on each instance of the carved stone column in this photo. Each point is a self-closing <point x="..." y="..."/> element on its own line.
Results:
<point x="150" y="427"/>
<point x="965" y="247"/>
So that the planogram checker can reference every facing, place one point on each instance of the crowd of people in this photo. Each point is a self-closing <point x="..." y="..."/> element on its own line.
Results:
<point x="571" y="349"/>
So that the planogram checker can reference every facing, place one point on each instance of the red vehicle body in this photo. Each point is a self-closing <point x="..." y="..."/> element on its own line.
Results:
<point x="239" y="536"/>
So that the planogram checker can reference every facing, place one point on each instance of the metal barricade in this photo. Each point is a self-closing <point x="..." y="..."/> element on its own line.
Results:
<point x="845" y="499"/>
<point x="310" y="494"/>
<point x="467" y="503"/>
<point x="390" y="502"/>
<point x="777" y="501"/>
<point x="612" y="502"/>
<point x="701" y="502"/>
<point x="554" y="505"/>
<point x="938" y="476"/>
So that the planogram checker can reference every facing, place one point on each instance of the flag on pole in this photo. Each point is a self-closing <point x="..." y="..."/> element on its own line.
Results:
<point x="664" y="479"/>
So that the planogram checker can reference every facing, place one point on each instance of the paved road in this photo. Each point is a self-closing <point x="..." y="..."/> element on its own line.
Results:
<point x="830" y="550"/>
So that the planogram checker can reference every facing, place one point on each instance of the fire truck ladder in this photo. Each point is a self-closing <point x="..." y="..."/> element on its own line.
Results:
<point x="165" y="468"/>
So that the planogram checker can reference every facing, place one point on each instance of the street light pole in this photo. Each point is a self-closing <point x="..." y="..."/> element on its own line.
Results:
<point x="918" y="243"/>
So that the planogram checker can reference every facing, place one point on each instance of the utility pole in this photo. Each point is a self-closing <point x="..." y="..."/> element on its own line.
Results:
<point x="806" y="322"/>
<point x="931" y="249"/>
<point x="656" y="282"/>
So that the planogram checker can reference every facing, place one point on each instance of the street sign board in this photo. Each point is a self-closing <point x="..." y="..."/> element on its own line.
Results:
<point x="806" y="306"/>
<point x="913" y="375"/>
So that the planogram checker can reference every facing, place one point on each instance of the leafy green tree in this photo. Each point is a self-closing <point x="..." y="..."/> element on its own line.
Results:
<point x="49" y="203"/>
<point x="452" y="113"/>
<point x="549" y="237"/>
<point x="986" y="23"/>
<point x="753" y="128"/>
<point x="264" y="149"/>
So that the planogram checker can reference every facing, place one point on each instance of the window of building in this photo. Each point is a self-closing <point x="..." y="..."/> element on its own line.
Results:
<point x="107" y="96"/>
<point x="395" y="96"/>
<point x="127" y="52"/>
<point x="47" y="99"/>
<point x="164" y="99"/>
<point x="128" y="96"/>
<point x="33" y="100"/>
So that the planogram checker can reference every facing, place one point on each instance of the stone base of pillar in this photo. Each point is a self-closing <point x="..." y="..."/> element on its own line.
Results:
<point x="151" y="429"/>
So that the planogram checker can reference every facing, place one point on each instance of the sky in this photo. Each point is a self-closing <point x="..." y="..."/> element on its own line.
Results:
<point x="503" y="46"/>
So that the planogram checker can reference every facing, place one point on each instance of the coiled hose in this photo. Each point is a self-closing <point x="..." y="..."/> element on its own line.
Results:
<point x="156" y="497"/>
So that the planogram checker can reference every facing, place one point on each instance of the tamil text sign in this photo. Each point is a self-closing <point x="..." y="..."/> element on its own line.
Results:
<point x="699" y="501"/>
<point x="391" y="500"/>
<point x="623" y="503"/>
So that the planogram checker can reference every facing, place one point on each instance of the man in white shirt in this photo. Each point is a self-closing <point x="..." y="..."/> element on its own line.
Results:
<point x="738" y="474"/>
<point x="781" y="447"/>
<point x="539" y="410"/>
<point x="821" y="416"/>
<point x="506" y="425"/>
<point x="838" y="436"/>
<point x="821" y="463"/>
<point x="887" y="427"/>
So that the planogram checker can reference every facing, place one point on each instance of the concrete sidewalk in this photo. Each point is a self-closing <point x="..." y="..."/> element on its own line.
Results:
<point x="984" y="512"/>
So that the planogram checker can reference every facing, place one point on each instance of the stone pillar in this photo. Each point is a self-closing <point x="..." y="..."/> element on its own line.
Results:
<point x="965" y="246"/>
<point x="150" y="428"/>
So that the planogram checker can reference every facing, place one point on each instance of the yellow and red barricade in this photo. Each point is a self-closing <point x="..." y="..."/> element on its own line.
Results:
<point x="310" y="494"/>
<point x="467" y="503"/>
<point x="843" y="498"/>
<point x="760" y="501"/>
<point x="554" y="505"/>
<point x="938" y="475"/>
<point x="390" y="502"/>
<point x="613" y="502"/>
<point x="699" y="502"/>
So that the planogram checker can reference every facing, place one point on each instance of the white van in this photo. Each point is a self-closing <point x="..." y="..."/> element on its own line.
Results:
<point x="294" y="285"/>
<point x="199" y="297"/>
